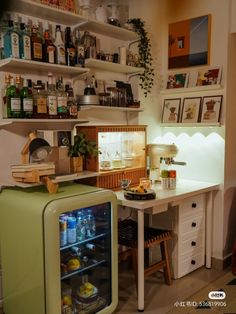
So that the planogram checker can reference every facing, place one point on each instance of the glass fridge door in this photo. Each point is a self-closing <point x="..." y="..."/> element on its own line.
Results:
<point x="85" y="258"/>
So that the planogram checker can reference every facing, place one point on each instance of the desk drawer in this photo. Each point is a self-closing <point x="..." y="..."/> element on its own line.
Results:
<point x="192" y="244"/>
<point x="193" y="224"/>
<point x="191" y="263"/>
<point x="192" y="206"/>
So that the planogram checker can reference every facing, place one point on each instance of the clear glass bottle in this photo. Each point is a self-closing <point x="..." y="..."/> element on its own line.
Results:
<point x="91" y="224"/>
<point x="81" y="226"/>
<point x="27" y="99"/>
<point x="80" y="56"/>
<point x="40" y="109"/>
<point x="51" y="98"/>
<point x="36" y="43"/>
<point x="4" y="93"/>
<point x="13" y="100"/>
<point x="70" y="48"/>
<point x="11" y="42"/>
<point x="25" y="43"/>
<point x="71" y="103"/>
<point x="62" y="108"/>
<point x="49" y="49"/>
<point x="60" y="47"/>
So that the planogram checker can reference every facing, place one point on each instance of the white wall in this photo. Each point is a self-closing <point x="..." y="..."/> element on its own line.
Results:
<point x="202" y="148"/>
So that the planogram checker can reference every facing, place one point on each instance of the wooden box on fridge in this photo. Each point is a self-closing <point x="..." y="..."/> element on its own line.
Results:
<point x="117" y="141"/>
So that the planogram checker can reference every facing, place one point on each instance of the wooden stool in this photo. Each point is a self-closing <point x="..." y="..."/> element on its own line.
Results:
<point x="127" y="236"/>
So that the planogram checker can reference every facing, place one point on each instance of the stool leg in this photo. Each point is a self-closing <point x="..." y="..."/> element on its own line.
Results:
<point x="165" y="256"/>
<point x="135" y="267"/>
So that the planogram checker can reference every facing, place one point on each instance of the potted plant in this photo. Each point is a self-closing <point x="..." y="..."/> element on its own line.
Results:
<point x="80" y="150"/>
<point x="145" y="58"/>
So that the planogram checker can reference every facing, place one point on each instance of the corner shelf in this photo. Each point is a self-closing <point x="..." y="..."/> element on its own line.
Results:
<point x="54" y="14"/>
<point x="126" y="109"/>
<point x="21" y="66"/>
<point x="199" y="124"/>
<point x="191" y="89"/>
<point x="111" y="67"/>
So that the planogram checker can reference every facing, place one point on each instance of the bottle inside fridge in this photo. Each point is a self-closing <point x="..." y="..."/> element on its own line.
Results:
<point x="85" y="243"/>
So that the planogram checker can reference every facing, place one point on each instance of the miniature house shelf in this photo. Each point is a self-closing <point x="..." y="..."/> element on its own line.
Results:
<point x="184" y="125"/>
<point x="191" y="89"/>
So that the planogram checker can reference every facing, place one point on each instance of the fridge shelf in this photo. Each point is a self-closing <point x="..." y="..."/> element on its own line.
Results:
<point x="82" y="242"/>
<point x="83" y="269"/>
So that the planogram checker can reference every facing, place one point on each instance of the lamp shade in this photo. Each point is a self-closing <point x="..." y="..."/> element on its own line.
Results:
<point x="39" y="149"/>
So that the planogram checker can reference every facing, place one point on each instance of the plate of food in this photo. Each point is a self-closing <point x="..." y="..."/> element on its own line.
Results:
<point x="139" y="193"/>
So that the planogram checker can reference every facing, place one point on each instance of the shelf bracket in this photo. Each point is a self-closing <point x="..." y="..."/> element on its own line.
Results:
<point x="78" y="25"/>
<point x="133" y="42"/>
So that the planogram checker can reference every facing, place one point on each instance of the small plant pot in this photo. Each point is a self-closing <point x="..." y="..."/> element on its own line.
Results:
<point x="76" y="164"/>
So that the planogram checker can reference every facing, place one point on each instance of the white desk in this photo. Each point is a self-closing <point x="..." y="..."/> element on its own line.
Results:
<point x="164" y="199"/>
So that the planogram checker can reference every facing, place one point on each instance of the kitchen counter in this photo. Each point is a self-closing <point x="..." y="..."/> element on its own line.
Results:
<point x="165" y="199"/>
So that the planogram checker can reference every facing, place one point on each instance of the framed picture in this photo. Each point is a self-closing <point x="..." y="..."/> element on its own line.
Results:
<point x="189" y="42"/>
<point x="171" y="109"/>
<point x="177" y="80"/>
<point x="211" y="109"/>
<point x="209" y="76"/>
<point x="191" y="109"/>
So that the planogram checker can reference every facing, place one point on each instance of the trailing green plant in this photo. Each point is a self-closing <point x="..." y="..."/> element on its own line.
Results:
<point x="83" y="147"/>
<point x="145" y="57"/>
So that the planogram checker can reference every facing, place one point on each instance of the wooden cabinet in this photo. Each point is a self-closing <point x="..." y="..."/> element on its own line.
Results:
<point x="187" y="221"/>
<point x="123" y="149"/>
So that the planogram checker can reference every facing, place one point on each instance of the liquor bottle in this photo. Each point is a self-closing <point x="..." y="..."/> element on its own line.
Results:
<point x="80" y="59"/>
<point x="25" y="42"/>
<point x="13" y="99"/>
<point x="4" y="93"/>
<point x="11" y="42"/>
<point x="51" y="98"/>
<point x="36" y="43"/>
<point x="70" y="48"/>
<point x="49" y="49"/>
<point x="60" y="47"/>
<point x="62" y="108"/>
<point x="71" y="103"/>
<point x="27" y="99"/>
<point x="40" y="101"/>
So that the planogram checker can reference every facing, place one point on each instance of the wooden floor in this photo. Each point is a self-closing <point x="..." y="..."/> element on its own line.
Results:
<point x="159" y="297"/>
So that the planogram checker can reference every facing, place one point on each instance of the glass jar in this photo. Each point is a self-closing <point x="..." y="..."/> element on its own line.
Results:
<point x="114" y="96"/>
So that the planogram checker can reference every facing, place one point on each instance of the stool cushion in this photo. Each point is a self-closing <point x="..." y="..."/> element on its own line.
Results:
<point x="128" y="234"/>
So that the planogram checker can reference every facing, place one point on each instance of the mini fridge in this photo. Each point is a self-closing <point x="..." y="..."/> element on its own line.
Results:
<point x="59" y="252"/>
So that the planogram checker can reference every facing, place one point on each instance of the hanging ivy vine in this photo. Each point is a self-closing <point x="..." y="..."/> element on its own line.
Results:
<point x="145" y="57"/>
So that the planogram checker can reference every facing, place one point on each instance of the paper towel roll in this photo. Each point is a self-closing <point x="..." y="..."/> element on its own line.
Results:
<point x="123" y="55"/>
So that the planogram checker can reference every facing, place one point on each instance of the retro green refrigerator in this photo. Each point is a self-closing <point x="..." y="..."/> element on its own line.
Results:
<point x="59" y="251"/>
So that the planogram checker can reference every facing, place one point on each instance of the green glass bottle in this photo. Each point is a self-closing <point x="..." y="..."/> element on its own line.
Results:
<point x="27" y="99"/>
<point x="13" y="100"/>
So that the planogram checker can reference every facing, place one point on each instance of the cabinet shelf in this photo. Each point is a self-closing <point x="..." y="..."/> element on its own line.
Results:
<point x="111" y="67"/>
<point x="10" y="121"/>
<point x="126" y="109"/>
<point x="83" y="242"/>
<point x="49" y="13"/>
<point x="22" y="66"/>
<point x="191" y="89"/>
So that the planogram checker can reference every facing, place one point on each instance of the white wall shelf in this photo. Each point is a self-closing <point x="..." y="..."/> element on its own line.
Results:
<point x="9" y="121"/>
<point x="22" y="66"/>
<point x="94" y="107"/>
<point x="199" y="124"/>
<point x="191" y="89"/>
<point x="111" y="67"/>
<point x="53" y="14"/>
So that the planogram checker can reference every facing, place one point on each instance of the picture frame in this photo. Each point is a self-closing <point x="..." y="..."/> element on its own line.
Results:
<point x="209" y="76"/>
<point x="211" y="109"/>
<point x="191" y="109"/>
<point x="177" y="80"/>
<point x="189" y="42"/>
<point x="171" y="110"/>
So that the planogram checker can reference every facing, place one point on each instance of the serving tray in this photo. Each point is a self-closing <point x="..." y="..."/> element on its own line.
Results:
<point x="149" y="195"/>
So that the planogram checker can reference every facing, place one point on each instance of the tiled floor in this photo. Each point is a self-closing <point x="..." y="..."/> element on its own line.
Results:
<point x="159" y="297"/>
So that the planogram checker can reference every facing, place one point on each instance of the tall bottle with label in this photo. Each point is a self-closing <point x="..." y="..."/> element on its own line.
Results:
<point x="62" y="108"/>
<point x="80" y="56"/>
<point x="27" y="99"/>
<point x="25" y="42"/>
<point x="40" y="109"/>
<point x="71" y="103"/>
<point x="13" y="99"/>
<point x="70" y="48"/>
<point x="11" y="42"/>
<point x="36" y="44"/>
<point x="49" y="49"/>
<point x="4" y="93"/>
<point x="51" y="98"/>
<point x="60" y="47"/>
